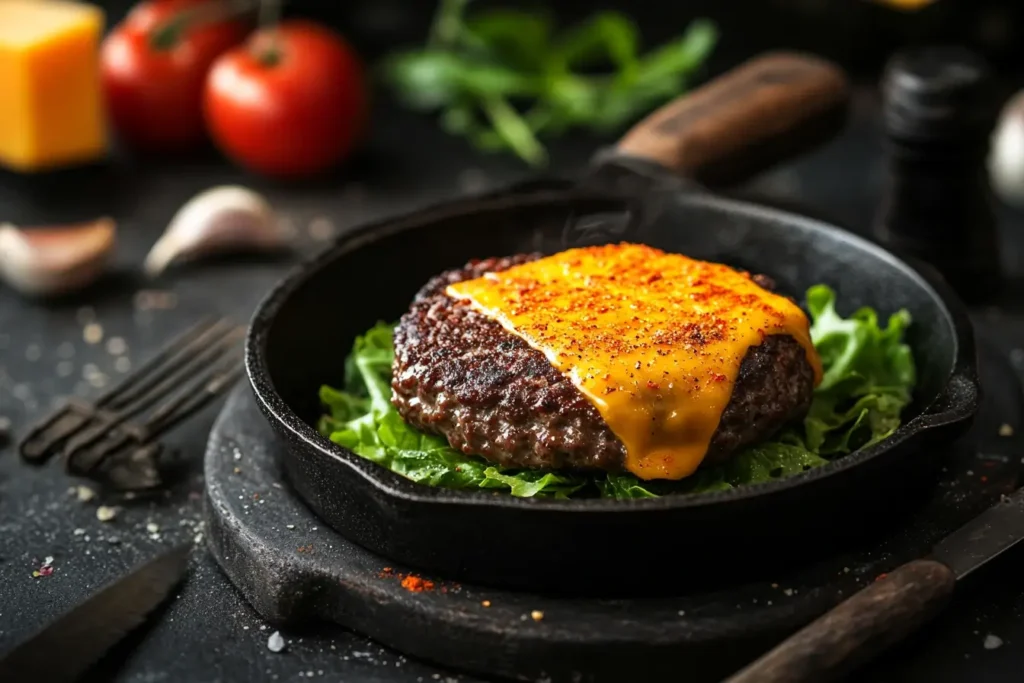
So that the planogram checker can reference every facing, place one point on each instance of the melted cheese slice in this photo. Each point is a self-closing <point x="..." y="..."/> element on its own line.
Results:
<point x="654" y="340"/>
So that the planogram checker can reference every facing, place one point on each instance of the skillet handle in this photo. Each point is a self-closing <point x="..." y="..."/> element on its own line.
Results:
<point x="772" y="107"/>
<point x="859" y="628"/>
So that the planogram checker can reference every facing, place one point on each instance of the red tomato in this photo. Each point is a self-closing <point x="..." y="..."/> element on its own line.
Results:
<point x="153" y="71"/>
<point x="291" y="102"/>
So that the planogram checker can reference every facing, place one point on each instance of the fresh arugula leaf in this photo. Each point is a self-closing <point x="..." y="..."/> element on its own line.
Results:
<point x="605" y="37"/>
<point x="503" y="78"/>
<point x="515" y="38"/>
<point x="868" y="379"/>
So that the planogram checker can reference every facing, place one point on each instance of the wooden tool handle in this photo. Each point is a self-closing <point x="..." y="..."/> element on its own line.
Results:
<point x="770" y="108"/>
<point x="857" y="629"/>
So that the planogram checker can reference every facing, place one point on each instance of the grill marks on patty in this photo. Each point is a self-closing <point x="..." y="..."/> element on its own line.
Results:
<point x="460" y="374"/>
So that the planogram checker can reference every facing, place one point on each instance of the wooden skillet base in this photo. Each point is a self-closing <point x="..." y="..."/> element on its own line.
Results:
<point x="295" y="570"/>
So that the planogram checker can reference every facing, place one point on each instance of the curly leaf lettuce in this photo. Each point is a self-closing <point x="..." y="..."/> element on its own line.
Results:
<point x="867" y="381"/>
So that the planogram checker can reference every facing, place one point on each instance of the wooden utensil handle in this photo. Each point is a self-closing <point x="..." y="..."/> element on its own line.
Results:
<point x="772" y="107"/>
<point x="857" y="629"/>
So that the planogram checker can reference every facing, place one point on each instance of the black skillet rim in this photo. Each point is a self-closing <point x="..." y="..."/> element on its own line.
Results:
<point x="960" y="393"/>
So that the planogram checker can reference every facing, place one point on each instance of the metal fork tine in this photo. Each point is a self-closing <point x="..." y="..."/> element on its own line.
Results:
<point x="208" y="356"/>
<point x="169" y="385"/>
<point x="83" y="458"/>
<point x="173" y="364"/>
<point x="180" y="342"/>
<point x="208" y="387"/>
<point x="46" y="437"/>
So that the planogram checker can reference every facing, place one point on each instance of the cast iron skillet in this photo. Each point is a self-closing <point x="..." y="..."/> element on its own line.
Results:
<point x="303" y="330"/>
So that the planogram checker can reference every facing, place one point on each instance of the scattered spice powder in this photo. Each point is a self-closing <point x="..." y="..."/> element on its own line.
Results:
<point x="305" y="548"/>
<point x="416" y="584"/>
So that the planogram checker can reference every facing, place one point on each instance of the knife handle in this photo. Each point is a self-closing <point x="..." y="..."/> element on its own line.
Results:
<point x="770" y="108"/>
<point x="859" y="628"/>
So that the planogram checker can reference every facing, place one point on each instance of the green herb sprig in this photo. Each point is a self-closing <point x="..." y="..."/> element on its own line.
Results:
<point x="504" y="79"/>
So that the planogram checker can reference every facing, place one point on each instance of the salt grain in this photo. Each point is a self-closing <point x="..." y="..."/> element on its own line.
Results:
<point x="116" y="346"/>
<point x="1005" y="430"/>
<point x="33" y="352"/>
<point x="992" y="642"/>
<point x="276" y="642"/>
<point x="105" y="513"/>
<point x="92" y="333"/>
<point x="85" y="494"/>
<point x="122" y="364"/>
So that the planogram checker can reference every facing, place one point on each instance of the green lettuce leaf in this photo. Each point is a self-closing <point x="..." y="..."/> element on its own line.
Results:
<point x="868" y="377"/>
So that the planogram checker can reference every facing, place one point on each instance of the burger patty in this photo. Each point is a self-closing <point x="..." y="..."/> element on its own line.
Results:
<point x="462" y="375"/>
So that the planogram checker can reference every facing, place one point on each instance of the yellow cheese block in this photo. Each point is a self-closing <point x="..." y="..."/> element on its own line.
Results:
<point x="50" y="102"/>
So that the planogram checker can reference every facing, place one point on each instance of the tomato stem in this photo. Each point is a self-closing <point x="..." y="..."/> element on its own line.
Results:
<point x="269" y="53"/>
<point x="166" y="36"/>
<point x="269" y="56"/>
<point x="270" y="13"/>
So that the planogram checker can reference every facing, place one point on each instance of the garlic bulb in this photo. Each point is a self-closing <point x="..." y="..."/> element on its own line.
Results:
<point x="55" y="259"/>
<point x="1006" y="156"/>
<point x="221" y="219"/>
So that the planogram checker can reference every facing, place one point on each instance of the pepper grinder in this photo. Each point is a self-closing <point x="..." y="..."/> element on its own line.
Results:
<point x="938" y="205"/>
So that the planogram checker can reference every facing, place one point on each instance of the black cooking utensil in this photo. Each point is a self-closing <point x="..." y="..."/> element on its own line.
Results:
<point x="65" y="649"/>
<point x="893" y="607"/>
<point x="301" y="333"/>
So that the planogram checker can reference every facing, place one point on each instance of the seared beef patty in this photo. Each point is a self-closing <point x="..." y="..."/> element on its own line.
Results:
<point x="460" y="374"/>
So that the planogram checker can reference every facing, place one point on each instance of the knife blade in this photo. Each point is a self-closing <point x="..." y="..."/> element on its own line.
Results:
<point x="984" y="538"/>
<point x="66" y="648"/>
<point x="891" y="608"/>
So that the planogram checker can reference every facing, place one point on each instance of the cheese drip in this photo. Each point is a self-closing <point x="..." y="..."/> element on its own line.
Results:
<point x="654" y="340"/>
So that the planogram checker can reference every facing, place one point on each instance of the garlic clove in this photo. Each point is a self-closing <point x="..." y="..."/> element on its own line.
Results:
<point x="221" y="219"/>
<point x="1006" y="155"/>
<point x="57" y="259"/>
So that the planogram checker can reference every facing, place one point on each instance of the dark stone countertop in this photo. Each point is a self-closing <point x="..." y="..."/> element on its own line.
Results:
<point x="208" y="633"/>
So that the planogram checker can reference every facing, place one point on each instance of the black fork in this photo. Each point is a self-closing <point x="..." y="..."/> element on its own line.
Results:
<point x="100" y="438"/>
